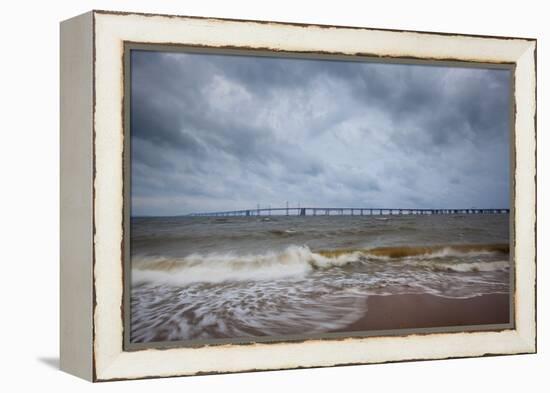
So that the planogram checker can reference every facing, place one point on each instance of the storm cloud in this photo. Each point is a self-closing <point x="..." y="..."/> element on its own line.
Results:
<point x="225" y="132"/>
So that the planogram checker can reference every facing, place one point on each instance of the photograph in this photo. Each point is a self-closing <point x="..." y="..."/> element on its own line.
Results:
<point x="283" y="196"/>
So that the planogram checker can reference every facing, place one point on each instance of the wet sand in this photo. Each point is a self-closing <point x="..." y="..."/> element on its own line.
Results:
<point x="424" y="311"/>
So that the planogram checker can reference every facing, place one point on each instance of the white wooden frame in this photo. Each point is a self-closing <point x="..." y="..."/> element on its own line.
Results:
<point x="92" y="195"/>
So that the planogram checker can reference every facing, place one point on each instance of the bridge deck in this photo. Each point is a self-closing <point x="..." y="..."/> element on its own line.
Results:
<point x="344" y="211"/>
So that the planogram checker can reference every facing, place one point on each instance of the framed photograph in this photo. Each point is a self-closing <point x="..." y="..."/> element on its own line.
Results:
<point x="247" y="195"/>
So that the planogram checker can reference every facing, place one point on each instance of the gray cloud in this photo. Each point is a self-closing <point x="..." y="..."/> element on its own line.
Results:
<point x="217" y="132"/>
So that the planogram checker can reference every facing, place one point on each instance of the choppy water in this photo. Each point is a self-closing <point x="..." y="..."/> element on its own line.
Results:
<point x="231" y="277"/>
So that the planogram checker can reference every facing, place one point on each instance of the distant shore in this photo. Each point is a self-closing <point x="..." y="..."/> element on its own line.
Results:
<point x="426" y="311"/>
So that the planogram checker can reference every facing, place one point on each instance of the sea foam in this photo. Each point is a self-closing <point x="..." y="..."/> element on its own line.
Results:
<point x="295" y="262"/>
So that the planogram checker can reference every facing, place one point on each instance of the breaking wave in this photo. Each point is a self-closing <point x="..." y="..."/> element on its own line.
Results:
<point x="487" y="266"/>
<point x="295" y="262"/>
<point x="424" y="252"/>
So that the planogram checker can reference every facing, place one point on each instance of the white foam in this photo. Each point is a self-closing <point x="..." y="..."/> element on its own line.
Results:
<point x="489" y="266"/>
<point x="293" y="262"/>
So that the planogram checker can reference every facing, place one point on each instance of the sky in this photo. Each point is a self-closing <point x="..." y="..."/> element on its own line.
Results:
<point x="220" y="132"/>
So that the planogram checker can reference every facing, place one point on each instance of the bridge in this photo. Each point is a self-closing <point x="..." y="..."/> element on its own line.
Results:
<point x="344" y="211"/>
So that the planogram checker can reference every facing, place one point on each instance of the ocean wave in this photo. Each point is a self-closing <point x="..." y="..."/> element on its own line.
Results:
<point x="297" y="261"/>
<point x="489" y="266"/>
<point x="438" y="251"/>
<point x="485" y="266"/>
<point x="421" y="252"/>
<point x="283" y="232"/>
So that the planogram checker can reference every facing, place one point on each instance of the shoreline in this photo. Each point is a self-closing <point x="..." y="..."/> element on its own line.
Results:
<point x="410" y="311"/>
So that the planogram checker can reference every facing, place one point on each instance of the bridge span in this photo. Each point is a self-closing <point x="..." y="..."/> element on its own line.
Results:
<point x="343" y="211"/>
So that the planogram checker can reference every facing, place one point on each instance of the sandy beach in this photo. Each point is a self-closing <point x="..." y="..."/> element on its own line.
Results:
<point x="424" y="311"/>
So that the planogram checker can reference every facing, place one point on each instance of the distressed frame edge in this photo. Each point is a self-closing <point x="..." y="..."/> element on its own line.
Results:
<point x="304" y="24"/>
<point x="528" y="340"/>
<point x="76" y="196"/>
<point x="525" y="178"/>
